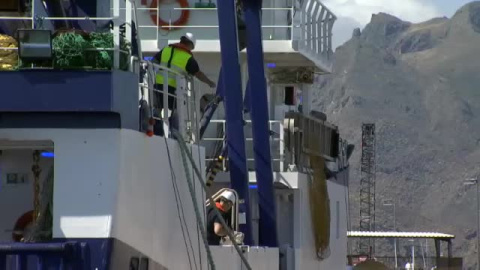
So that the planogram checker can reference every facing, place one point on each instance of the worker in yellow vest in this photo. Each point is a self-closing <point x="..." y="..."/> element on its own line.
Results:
<point x="177" y="57"/>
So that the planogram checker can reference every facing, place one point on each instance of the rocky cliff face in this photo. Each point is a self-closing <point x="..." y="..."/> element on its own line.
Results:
<point x="420" y="84"/>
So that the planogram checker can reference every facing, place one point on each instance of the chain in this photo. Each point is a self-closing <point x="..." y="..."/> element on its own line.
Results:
<point x="36" y="184"/>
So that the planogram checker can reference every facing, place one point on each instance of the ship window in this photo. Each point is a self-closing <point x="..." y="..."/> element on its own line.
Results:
<point x="144" y="263"/>
<point x="23" y="169"/>
<point x="289" y="96"/>
<point x="134" y="263"/>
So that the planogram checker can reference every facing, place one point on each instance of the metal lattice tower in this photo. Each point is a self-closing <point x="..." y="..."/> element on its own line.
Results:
<point x="367" y="188"/>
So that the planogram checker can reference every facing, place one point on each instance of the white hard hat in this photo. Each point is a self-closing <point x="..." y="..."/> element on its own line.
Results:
<point x="191" y="38"/>
<point x="227" y="194"/>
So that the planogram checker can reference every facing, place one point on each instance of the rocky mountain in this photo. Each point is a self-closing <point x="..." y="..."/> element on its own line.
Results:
<point x="420" y="85"/>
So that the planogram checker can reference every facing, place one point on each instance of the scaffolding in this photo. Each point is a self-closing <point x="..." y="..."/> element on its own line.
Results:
<point x="367" y="188"/>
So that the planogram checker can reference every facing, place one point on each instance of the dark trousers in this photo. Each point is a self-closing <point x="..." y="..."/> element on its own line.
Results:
<point x="159" y="97"/>
<point x="172" y="105"/>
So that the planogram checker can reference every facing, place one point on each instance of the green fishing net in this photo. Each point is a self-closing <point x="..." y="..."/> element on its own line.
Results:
<point x="69" y="50"/>
<point x="91" y="51"/>
<point x="103" y="59"/>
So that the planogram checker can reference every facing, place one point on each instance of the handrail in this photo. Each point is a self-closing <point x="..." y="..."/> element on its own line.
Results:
<point x="167" y="69"/>
<point x="184" y="92"/>
<point x="313" y="31"/>
<point x="284" y="29"/>
<point x="210" y="26"/>
<point x="86" y="18"/>
<point x="217" y="9"/>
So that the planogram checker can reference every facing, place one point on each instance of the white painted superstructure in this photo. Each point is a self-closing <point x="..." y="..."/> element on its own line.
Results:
<point x="131" y="190"/>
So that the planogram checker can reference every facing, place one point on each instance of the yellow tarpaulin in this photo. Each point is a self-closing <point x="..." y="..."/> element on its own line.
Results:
<point x="8" y="58"/>
<point x="320" y="207"/>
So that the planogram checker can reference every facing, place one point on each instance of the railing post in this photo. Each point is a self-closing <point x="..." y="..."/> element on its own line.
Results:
<point x="189" y="122"/>
<point x="325" y="35"/>
<point x="303" y="25"/>
<point x="314" y="25"/>
<point x="157" y="24"/>
<point x="147" y="81"/>
<point x="116" y="34"/>
<point x="33" y="14"/>
<point x="331" y="21"/>
<point x="195" y="112"/>
<point x="282" y="146"/>
<point x="128" y="21"/>
<point x="224" y="161"/>
<point x="164" y="111"/>
<point x="321" y="33"/>
<point x="180" y="111"/>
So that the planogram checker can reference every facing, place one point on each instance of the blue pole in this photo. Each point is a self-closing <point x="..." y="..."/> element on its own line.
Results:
<point x="220" y="91"/>
<point x="246" y="99"/>
<point x="232" y="93"/>
<point x="257" y="97"/>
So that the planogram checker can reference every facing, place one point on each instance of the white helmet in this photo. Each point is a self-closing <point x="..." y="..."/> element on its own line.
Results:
<point x="191" y="38"/>
<point x="227" y="194"/>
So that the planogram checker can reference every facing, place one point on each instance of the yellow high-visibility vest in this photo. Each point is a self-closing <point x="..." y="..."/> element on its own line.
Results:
<point x="175" y="59"/>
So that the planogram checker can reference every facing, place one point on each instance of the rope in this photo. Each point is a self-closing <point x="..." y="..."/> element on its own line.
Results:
<point x="194" y="199"/>
<point x="179" y="203"/>
<point x="199" y="158"/>
<point x="185" y="153"/>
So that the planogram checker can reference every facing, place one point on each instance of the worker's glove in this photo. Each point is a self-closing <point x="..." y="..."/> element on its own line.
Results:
<point x="239" y="236"/>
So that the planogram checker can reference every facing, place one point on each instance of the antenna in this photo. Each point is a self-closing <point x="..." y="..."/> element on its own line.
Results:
<point x="367" y="188"/>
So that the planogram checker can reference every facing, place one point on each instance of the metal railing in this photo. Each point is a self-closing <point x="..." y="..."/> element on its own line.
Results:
<point x="184" y="115"/>
<point x="184" y="98"/>
<point x="313" y="30"/>
<point x="308" y="26"/>
<point x="422" y="262"/>
<point x="277" y="147"/>
<point x="207" y="28"/>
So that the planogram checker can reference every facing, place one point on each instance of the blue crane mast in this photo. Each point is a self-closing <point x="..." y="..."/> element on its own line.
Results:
<point x="230" y="88"/>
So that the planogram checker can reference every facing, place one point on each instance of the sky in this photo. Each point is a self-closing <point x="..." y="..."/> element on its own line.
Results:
<point x="357" y="13"/>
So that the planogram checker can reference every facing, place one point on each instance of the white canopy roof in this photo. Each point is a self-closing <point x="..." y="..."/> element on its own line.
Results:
<point x="366" y="234"/>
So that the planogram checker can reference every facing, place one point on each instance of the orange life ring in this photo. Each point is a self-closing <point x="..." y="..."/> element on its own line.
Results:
<point x="163" y="24"/>
<point x="22" y="223"/>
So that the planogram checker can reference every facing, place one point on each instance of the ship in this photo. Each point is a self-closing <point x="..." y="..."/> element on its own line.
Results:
<point x="88" y="183"/>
